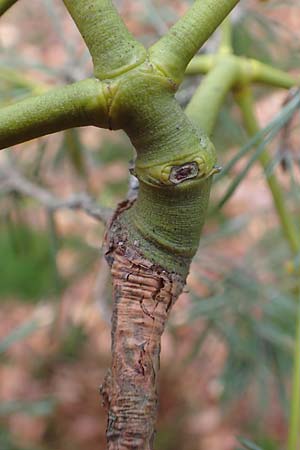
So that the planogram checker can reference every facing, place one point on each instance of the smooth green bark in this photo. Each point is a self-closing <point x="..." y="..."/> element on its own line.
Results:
<point x="174" y="51"/>
<point x="226" y="37"/>
<point x="114" y="50"/>
<point x="76" y="105"/>
<point x="166" y="220"/>
<point x="165" y="224"/>
<point x="145" y="107"/>
<point x="205" y="105"/>
<point x="201" y="64"/>
<point x="250" y="70"/>
<point x="5" y="5"/>
<point x="263" y="73"/>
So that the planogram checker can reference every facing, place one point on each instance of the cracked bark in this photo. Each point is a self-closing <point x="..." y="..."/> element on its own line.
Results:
<point x="143" y="296"/>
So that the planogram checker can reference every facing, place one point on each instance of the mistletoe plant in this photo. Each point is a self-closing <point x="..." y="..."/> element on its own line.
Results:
<point x="152" y="239"/>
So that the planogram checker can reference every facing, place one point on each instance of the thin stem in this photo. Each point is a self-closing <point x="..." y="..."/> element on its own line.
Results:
<point x="114" y="50"/>
<point x="245" y="100"/>
<point x="226" y="37"/>
<point x="250" y="70"/>
<point x="174" y="51"/>
<point x="200" y="64"/>
<point x="5" y="5"/>
<point x="76" y="105"/>
<point x="205" y="105"/>
<point x="269" y="75"/>
<point x="293" y="438"/>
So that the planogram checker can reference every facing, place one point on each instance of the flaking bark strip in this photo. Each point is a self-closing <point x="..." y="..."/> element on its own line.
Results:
<point x="143" y="296"/>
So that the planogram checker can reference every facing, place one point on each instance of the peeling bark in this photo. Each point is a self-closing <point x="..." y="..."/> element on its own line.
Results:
<point x="143" y="296"/>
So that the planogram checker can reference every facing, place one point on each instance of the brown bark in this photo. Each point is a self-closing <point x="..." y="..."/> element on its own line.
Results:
<point x="143" y="296"/>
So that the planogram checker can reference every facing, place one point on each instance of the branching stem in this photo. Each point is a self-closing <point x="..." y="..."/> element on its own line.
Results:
<point x="76" y="105"/>
<point x="174" y="51"/>
<point x="205" y="105"/>
<point x="250" y="70"/>
<point x="113" y="49"/>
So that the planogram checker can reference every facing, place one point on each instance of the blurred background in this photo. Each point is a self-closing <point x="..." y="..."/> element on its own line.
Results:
<point x="227" y="352"/>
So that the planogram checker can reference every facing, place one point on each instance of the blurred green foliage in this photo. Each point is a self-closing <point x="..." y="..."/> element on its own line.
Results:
<point x="7" y="442"/>
<point x="26" y="267"/>
<point x="72" y="343"/>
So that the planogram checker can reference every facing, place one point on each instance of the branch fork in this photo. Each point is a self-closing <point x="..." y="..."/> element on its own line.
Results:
<point x="151" y="240"/>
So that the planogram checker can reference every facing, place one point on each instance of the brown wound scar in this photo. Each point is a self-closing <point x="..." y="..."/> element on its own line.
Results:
<point x="184" y="172"/>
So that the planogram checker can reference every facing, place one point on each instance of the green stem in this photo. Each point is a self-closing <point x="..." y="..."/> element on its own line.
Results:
<point x="205" y="105"/>
<point x="293" y="438"/>
<point x="114" y="50"/>
<point x="263" y="73"/>
<point x="200" y="64"/>
<point x="76" y="105"/>
<point x="226" y="37"/>
<point x="174" y="51"/>
<point x="5" y="5"/>
<point x="174" y="142"/>
<point x="245" y="100"/>
<point x="164" y="139"/>
<point x="250" y="69"/>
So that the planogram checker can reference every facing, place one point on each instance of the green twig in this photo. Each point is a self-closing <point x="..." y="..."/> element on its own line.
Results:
<point x="113" y="49"/>
<point x="5" y="5"/>
<point x="266" y="74"/>
<point x="226" y="37"/>
<point x="205" y="105"/>
<point x="174" y="51"/>
<point x="76" y="105"/>
<point x="200" y="64"/>
<point x="250" y="70"/>
<point x="245" y="100"/>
